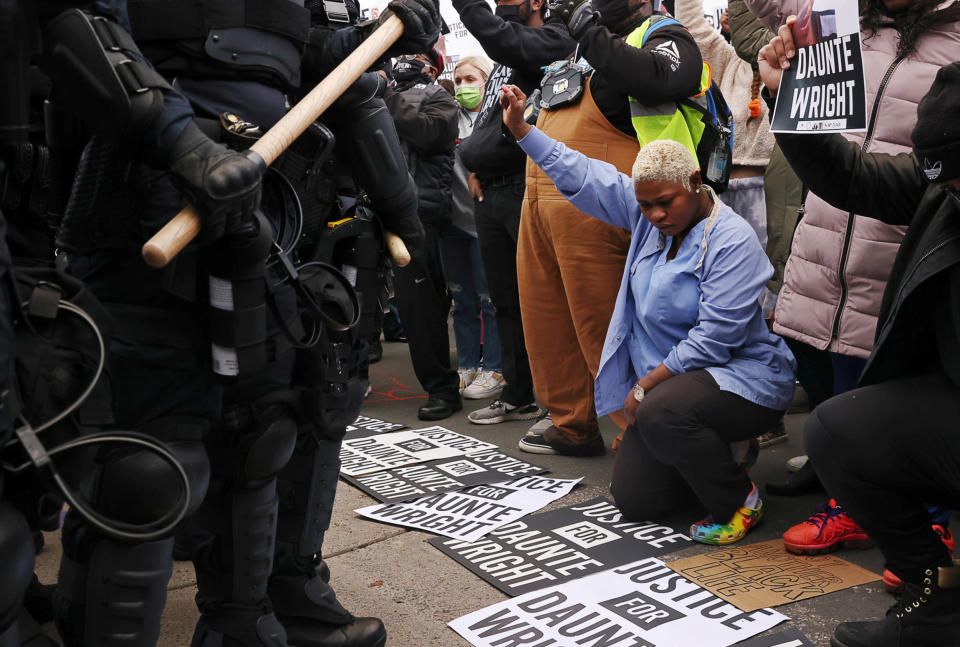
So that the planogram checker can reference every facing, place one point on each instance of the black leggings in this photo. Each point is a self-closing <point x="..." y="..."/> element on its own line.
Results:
<point x="884" y="450"/>
<point x="678" y="451"/>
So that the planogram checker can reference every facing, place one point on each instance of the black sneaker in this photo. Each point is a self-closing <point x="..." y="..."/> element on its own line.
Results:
<point x="552" y="441"/>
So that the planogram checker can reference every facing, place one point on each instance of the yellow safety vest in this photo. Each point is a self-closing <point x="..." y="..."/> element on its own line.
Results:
<point x="668" y="120"/>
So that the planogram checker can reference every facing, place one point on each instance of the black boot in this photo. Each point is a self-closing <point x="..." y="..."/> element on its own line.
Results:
<point x="305" y="604"/>
<point x="238" y="526"/>
<point x="928" y="615"/>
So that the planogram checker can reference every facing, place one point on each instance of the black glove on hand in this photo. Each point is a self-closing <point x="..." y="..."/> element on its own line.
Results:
<point x="577" y="15"/>
<point x="223" y="185"/>
<point x="612" y="12"/>
<point x="401" y="219"/>
<point x="421" y="25"/>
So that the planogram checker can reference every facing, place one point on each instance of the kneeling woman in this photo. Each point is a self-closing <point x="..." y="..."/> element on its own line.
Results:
<point x="687" y="353"/>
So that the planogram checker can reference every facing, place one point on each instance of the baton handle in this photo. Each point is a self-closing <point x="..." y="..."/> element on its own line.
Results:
<point x="176" y="234"/>
<point x="398" y="251"/>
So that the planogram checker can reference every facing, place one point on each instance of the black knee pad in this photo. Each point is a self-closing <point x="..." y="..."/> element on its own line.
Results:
<point x="138" y="486"/>
<point x="16" y="563"/>
<point x="271" y="449"/>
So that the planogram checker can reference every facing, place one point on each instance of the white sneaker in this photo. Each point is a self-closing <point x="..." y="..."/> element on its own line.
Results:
<point x="467" y="376"/>
<point x="487" y="384"/>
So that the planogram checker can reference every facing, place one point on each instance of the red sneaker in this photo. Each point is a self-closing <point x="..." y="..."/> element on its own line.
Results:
<point x="894" y="584"/>
<point x="828" y="529"/>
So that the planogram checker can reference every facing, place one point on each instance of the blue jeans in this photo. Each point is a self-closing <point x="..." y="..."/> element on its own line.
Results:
<point x="474" y="319"/>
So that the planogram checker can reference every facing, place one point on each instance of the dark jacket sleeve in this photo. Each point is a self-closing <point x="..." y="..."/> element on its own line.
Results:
<point x="428" y="125"/>
<point x="649" y="75"/>
<point x="877" y="185"/>
<point x="747" y="33"/>
<point x="517" y="46"/>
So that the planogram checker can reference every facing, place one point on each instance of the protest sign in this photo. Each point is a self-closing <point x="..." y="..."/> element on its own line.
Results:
<point x="370" y="454"/>
<point x="560" y="545"/>
<point x="765" y="574"/>
<point x="470" y="514"/>
<point x="365" y="426"/>
<point x="712" y="10"/>
<point x="476" y="468"/>
<point x="641" y="604"/>
<point x="788" y="638"/>
<point x="824" y="89"/>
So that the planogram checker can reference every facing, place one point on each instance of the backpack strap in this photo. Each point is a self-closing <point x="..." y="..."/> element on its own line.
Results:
<point x="654" y="25"/>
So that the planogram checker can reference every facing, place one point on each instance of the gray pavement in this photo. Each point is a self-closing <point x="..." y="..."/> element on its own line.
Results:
<point x="392" y="573"/>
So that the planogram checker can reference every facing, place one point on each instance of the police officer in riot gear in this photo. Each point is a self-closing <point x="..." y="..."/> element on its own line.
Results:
<point x="145" y="159"/>
<point x="262" y="503"/>
<point x="109" y="587"/>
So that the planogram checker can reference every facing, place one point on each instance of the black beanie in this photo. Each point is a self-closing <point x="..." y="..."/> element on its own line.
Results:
<point x="936" y="137"/>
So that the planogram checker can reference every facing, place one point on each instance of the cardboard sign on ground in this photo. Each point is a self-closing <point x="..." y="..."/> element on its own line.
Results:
<point x="370" y="454"/>
<point x="470" y="514"/>
<point x="366" y="426"/>
<point x="641" y="604"/>
<point x="766" y="575"/>
<point x="447" y="475"/>
<point x="560" y="545"/>
<point x="788" y="638"/>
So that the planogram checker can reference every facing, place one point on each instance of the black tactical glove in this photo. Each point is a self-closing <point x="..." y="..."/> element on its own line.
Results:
<point x="401" y="218"/>
<point x="612" y="12"/>
<point x="421" y="25"/>
<point x="223" y="185"/>
<point x="577" y="15"/>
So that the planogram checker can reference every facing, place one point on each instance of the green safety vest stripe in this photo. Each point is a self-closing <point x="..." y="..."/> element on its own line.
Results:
<point x="668" y="120"/>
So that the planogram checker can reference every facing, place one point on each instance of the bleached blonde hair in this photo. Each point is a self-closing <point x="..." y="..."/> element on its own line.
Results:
<point x="481" y="63"/>
<point x="664" y="160"/>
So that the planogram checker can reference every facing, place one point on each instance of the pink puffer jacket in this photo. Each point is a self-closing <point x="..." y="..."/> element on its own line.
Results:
<point x="839" y="262"/>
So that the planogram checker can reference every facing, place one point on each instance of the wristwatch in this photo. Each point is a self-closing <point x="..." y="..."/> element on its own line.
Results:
<point x="638" y="392"/>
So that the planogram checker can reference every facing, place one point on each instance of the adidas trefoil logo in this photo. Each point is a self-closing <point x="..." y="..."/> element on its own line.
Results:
<point x="932" y="171"/>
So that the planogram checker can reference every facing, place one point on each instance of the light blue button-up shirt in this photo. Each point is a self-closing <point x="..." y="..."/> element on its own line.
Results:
<point x="683" y="313"/>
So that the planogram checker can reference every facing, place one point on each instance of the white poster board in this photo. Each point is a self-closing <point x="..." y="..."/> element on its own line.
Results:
<point x="370" y="454"/>
<point x="470" y="514"/>
<point x="641" y="604"/>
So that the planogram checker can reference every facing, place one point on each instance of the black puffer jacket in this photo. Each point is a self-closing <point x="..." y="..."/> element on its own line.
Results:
<point x="919" y="325"/>
<point x="520" y="52"/>
<point x="426" y="118"/>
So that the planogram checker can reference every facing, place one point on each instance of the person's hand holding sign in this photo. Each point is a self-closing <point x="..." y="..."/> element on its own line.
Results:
<point x="514" y="102"/>
<point x="776" y="55"/>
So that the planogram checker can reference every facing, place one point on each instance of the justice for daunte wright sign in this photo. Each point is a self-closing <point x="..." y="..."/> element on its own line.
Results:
<point x="476" y="468"/>
<point x="366" y="426"/>
<point x="641" y="604"/>
<point x="560" y="545"/>
<point x="370" y="454"/>
<point x="470" y="514"/>
<point x="824" y="89"/>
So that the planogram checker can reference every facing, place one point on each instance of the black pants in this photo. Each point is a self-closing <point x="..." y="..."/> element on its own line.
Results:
<point x="498" y="226"/>
<point x="678" y="451"/>
<point x="885" y="451"/>
<point x="424" y="304"/>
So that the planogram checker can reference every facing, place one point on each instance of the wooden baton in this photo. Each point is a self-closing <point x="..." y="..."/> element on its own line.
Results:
<point x="169" y="241"/>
